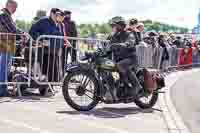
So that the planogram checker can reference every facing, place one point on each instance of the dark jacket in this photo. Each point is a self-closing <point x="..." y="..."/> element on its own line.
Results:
<point x="165" y="54"/>
<point x="137" y="35"/>
<point x="70" y="28"/>
<point x="7" y="25"/>
<point x="178" y="43"/>
<point x="129" y="49"/>
<point x="46" y="26"/>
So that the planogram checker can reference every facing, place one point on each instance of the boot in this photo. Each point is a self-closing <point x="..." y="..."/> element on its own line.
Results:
<point x="135" y="85"/>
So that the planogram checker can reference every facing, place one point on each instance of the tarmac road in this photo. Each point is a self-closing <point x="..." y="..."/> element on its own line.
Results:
<point x="186" y="97"/>
<point x="53" y="115"/>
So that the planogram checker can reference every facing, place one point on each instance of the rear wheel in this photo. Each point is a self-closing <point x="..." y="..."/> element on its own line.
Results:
<point x="80" y="90"/>
<point x="148" y="99"/>
<point x="147" y="102"/>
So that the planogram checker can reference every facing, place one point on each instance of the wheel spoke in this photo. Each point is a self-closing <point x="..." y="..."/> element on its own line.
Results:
<point x="88" y="96"/>
<point x="85" y="84"/>
<point x="89" y="91"/>
<point x="82" y="79"/>
<point x="81" y="89"/>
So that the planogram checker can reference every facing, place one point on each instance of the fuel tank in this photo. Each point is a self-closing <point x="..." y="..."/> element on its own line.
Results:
<point x="106" y="64"/>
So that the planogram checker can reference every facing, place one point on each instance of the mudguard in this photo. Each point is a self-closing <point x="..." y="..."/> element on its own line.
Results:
<point x="71" y="67"/>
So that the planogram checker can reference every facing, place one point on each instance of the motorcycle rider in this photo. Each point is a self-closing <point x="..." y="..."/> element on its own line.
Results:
<point x="125" y="56"/>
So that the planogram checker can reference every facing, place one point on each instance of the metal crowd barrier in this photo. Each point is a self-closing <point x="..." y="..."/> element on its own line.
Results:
<point x="157" y="58"/>
<point x="12" y="58"/>
<point x="148" y="56"/>
<point x="44" y="60"/>
<point x="12" y="61"/>
<point x="52" y="53"/>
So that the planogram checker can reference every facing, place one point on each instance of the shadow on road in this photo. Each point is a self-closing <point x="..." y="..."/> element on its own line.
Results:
<point x="109" y="112"/>
<point x="27" y="97"/>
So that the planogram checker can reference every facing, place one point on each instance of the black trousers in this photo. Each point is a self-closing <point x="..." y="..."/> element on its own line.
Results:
<point x="126" y="67"/>
<point x="72" y="51"/>
<point x="50" y="67"/>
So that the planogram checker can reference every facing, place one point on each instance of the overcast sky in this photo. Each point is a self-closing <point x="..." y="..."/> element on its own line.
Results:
<point x="177" y="12"/>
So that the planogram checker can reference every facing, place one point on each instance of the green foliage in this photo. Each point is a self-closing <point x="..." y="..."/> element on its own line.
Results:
<point x="25" y="26"/>
<point x="104" y="29"/>
<point x="87" y="30"/>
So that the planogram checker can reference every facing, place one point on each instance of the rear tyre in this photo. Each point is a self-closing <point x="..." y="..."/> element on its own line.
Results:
<point x="149" y="99"/>
<point x="149" y="103"/>
<point x="80" y="89"/>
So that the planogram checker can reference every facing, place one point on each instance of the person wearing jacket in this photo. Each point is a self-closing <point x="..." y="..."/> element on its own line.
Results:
<point x="133" y="27"/>
<point x="125" y="56"/>
<point x="8" y="31"/>
<point x="49" y="26"/>
<point x="140" y="29"/>
<point x="71" y="31"/>
<point x="162" y="41"/>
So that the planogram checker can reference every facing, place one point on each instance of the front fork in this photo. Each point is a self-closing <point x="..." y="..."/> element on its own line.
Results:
<point x="107" y="85"/>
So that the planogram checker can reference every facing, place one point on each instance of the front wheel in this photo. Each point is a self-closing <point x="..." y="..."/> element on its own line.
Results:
<point x="80" y="90"/>
<point x="147" y="102"/>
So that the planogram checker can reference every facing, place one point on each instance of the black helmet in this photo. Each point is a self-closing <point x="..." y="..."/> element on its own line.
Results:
<point x="118" y="20"/>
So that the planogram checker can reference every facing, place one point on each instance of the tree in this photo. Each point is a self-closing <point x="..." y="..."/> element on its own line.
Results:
<point x="184" y="30"/>
<point x="104" y="29"/>
<point x="23" y="25"/>
<point x="39" y="14"/>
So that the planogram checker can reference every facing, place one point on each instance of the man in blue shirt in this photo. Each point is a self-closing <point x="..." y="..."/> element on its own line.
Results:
<point x="49" y="26"/>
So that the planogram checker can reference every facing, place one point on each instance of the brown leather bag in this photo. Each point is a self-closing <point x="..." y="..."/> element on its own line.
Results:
<point x="150" y="80"/>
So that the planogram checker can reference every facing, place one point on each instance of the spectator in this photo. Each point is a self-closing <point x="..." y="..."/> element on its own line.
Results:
<point x="71" y="31"/>
<point x="187" y="43"/>
<point x="178" y="42"/>
<point x="150" y="38"/>
<point x="49" y="26"/>
<point x="140" y="28"/>
<point x="162" y="41"/>
<point x="133" y="23"/>
<point x="171" y="39"/>
<point x="7" y="42"/>
<point x="62" y="57"/>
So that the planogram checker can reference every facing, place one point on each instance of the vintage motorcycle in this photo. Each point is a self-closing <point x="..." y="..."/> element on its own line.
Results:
<point x="96" y="80"/>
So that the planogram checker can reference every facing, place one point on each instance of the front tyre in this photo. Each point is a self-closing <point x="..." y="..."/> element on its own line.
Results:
<point x="79" y="87"/>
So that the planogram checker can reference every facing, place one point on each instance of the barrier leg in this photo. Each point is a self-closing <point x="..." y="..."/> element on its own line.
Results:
<point x="51" y="89"/>
<point x="19" y="91"/>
